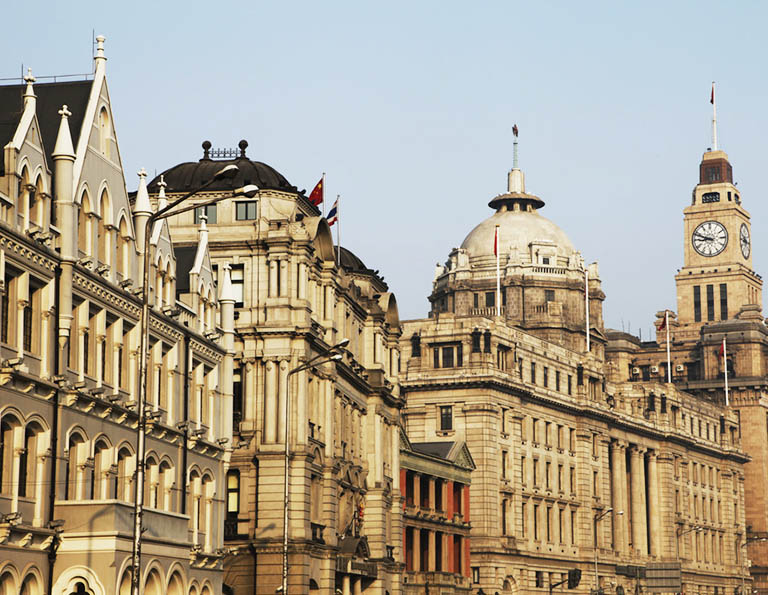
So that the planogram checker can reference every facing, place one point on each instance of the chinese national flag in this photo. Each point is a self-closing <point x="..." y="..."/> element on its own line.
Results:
<point x="722" y="349"/>
<point x="712" y="96"/>
<point x="496" y="242"/>
<point x="663" y="324"/>
<point x="316" y="197"/>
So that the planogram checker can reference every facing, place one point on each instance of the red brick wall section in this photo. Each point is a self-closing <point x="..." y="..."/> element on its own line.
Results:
<point x="449" y="504"/>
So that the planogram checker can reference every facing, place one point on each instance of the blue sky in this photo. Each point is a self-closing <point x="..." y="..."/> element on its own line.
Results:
<point x="408" y="108"/>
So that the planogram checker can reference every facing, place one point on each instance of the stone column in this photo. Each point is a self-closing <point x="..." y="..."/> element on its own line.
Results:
<point x="431" y="551"/>
<point x="283" y="289"/>
<point x="654" y="513"/>
<point x="637" y="481"/>
<point x="345" y="588"/>
<point x="282" y="432"/>
<point x="417" y="550"/>
<point x="270" y="403"/>
<point x="618" y="478"/>
<point x="272" y="287"/>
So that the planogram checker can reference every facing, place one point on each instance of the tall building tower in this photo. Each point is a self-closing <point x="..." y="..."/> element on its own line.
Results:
<point x="717" y="279"/>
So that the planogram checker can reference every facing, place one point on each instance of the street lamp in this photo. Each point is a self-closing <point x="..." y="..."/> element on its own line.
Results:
<point x="747" y="541"/>
<point x="599" y="517"/>
<point x="328" y="355"/>
<point x="680" y="533"/>
<point x="227" y="172"/>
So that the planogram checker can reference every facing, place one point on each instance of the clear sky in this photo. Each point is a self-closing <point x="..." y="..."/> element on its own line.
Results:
<point x="408" y="108"/>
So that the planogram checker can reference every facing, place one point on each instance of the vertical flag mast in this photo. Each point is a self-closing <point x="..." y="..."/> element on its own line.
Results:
<point x="714" y="117"/>
<point x="498" y="271"/>
<point x="323" y="183"/>
<point x="338" y="229"/>
<point x="669" y="360"/>
<point x="586" y="302"/>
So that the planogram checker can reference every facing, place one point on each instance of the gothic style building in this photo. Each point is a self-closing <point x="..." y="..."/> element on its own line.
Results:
<point x="638" y="484"/>
<point x="298" y="296"/>
<point x="71" y="248"/>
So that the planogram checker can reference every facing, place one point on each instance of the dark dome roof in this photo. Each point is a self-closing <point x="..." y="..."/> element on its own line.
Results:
<point x="351" y="263"/>
<point x="188" y="176"/>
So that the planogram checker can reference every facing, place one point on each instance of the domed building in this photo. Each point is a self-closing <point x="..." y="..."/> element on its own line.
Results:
<point x="541" y="275"/>
<point x="573" y="471"/>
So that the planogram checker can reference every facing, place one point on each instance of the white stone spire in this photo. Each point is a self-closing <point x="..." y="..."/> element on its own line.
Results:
<point x="227" y="292"/>
<point x="202" y="246"/>
<point x="142" y="204"/>
<point x="100" y="57"/>
<point x="162" y="201"/>
<point x="63" y="147"/>
<point x="29" y="92"/>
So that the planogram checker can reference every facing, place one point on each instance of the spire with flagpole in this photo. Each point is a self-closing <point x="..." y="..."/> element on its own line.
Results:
<point x="714" y="117"/>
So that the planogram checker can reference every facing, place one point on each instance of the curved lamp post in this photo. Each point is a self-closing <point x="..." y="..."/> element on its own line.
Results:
<point x="170" y="210"/>
<point x="331" y="354"/>
<point x="747" y="541"/>
<point x="599" y="517"/>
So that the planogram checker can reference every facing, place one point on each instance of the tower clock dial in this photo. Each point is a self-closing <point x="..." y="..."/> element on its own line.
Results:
<point x="744" y="240"/>
<point x="710" y="238"/>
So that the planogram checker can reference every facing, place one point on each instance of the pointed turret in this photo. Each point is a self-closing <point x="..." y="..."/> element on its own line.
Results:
<point x="202" y="246"/>
<point x="227" y="291"/>
<point x="29" y="92"/>
<point x="64" y="161"/>
<point x="142" y="209"/>
<point x="516" y="199"/>
<point x="162" y="202"/>
<point x="227" y="300"/>
<point x="63" y="149"/>
<point x="100" y="60"/>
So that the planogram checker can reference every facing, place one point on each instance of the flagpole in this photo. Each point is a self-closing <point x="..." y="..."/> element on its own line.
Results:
<point x="586" y="302"/>
<point x="323" y="195"/>
<point x="669" y="360"/>
<point x="498" y="274"/>
<point x="338" y="228"/>
<point x="714" y="118"/>
<point x="725" y="363"/>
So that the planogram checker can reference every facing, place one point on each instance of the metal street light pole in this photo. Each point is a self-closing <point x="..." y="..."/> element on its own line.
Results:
<point x="329" y="355"/>
<point x="744" y="545"/>
<point x="227" y="172"/>
<point x="599" y="517"/>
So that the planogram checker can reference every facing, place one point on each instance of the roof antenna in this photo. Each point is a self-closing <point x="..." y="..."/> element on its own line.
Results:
<point x="514" y="147"/>
<point x="714" y="117"/>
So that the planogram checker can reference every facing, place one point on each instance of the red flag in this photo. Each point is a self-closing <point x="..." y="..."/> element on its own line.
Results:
<point x="722" y="348"/>
<point x="712" y="96"/>
<point x="496" y="242"/>
<point x="663" y="324"/>
<point x="514" y="130"/>
<point x="316" y="196"/>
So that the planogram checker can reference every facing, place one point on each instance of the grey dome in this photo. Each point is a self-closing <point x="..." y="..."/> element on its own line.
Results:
<point x="517" y="229"/>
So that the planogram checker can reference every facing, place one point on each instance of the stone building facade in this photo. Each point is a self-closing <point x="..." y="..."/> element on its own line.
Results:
<point x="436" y="516"/>
<point x="719" y="299"/>
<point x="297" y="296"/>
<point x="70" y="251"/>
<point x="576" y="466"/>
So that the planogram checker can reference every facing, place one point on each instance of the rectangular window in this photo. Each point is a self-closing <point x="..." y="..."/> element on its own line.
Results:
<point x="446" y="417"/>
<point x="536" y="534"/>
<point x="27" y="315"/>
<point x="436" y="357"/>
<point x="448" y="357"/>
<point x="522" y="519"/>
<point x="546" y="377"/>
<point x="504" y="457"/>
<point x="209" y="212"/>
<point x="490" y="299"/>
<point x="535" y="472"/>
<point x="697" y="303"/>
<point x="710" y="302"/>
<point x="549" y="295"/>
<point x="245" y="211"/>
<point x="4" y="306"/>
<point x="557" y="380"/>
<point x="237" y="274"/>
<point x="547" y="476"/>
<point x="723" y="301"/>
<point x="476" y="300"/>
<point x="522" y="470"/>
<point x="533" y="372"/>
<point x="595" y="485"/>
<point x="459" y="355"/>
<point x="573" y="480"/>
<point x="475" y="574"/>
<point x="570" y="382"/>
<point x="573" y="527"/>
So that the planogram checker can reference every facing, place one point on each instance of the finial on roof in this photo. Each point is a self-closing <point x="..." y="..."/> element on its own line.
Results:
<point x="100" y="39"/>
<point x="63" y="146"/>
<point x="29" y="79"/>
<point x="227" y="292"/>
<point x="514" y="147"/>
<point x="204" y="223"/>
<point x="243" y="144"/>
<point x="162" y="202"/>
<point x="516" y="178"/>
<point x="207" y="150"/>
<point x="142" y="204"/>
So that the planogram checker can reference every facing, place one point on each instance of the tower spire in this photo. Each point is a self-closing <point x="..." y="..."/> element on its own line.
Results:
<point x="514" y="148"/>
<point x="515" y="178"/>
<point x="714" y="117"/>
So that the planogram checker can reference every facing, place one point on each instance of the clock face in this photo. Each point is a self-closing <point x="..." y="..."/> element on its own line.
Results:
<point x="710" y="238"/>
<point x="744" y="240"/>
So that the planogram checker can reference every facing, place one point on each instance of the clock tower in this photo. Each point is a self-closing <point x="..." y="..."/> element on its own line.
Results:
<point x="717" y="279"/>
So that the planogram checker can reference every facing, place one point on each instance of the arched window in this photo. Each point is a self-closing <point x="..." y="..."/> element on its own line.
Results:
<point x="105" y="222"/>
<point x="31" y="586"/>
<point x="206" y="517"/>
<point x="6" y="453"/>
<point x="99" y="470"/>
<point x="123" y="478"/>
<point x="175" y="585"/>
<point x="37" y="203"/>
<point x="28" y="455"/>
<point x="83" y="226"/>
<point x="105" y="133"/>
<point x="72" y="475"/>
<point x="154" y="585"/>
<point x="151" y="483"/>
<point x="193" y="504"/>
<point x="166" y="485"/>
<point x="8" y="584"/>
<point x="123" y="256"/>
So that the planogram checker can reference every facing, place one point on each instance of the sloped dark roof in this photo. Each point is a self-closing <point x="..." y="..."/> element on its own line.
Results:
<point x="188" y="176"/>
<point x="349" y="261"/>
<point x="433" y="449"/>
<point x="50" y="98"/>
<point x="185" y="260"/>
